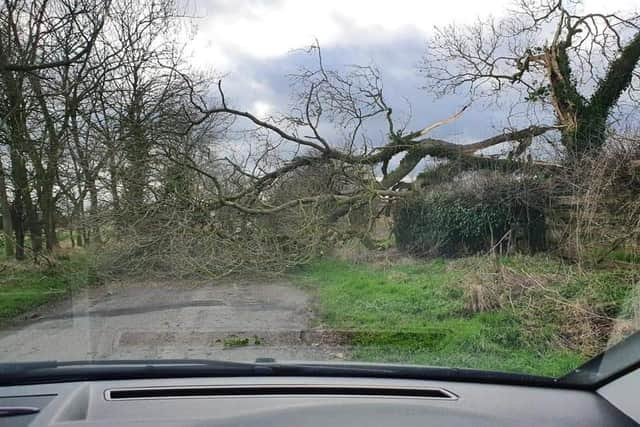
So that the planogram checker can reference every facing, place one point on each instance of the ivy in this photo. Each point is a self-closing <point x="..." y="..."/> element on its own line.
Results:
<point x="459" y="222"/>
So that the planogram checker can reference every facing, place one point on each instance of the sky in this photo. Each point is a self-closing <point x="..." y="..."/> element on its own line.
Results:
<point x="255" y="44"/>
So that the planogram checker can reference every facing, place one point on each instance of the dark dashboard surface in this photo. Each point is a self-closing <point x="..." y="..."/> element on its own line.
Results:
<point x="459" y="404"/>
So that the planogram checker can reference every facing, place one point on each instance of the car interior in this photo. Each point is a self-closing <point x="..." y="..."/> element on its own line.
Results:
<point x="317" y="395"/>
<point x="319" y="213"/>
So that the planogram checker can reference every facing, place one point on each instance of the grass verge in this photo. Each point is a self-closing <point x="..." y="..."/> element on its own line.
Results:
<point x="24" y="286"/>
<point x="420" y="312"/>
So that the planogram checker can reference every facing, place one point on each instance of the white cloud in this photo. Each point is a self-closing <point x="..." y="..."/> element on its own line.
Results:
<point x="251" y="41"/>
<point x="269" y="28"/>
<point x="266" y="29"/>
<point x="610" y="6"/>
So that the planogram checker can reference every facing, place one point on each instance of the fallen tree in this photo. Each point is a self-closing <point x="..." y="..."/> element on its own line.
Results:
<point x="331" y="103"/>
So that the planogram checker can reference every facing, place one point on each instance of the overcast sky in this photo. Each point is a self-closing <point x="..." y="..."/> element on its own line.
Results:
<point x="253" y="43"/>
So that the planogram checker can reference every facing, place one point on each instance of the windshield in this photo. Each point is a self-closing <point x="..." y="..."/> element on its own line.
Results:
<point x="443" y="186"/>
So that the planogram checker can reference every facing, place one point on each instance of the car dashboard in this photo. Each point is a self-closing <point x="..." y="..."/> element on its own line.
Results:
<point x="303" y="401"/>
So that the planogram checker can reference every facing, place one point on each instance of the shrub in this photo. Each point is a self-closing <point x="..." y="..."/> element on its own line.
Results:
<point x="579" y="310"/>
<point x="471" y="218"/>
<point x="596" y="211"/>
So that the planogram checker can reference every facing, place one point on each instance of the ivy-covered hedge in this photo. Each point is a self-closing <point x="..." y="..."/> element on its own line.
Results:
<point x="471" y="219"/>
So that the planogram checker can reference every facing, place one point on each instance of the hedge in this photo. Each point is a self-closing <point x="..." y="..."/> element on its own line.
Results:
<point x="471" y="219"/>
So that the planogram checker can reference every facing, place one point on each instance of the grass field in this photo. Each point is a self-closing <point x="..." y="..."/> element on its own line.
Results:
<point x="24" y="286"/>
<point x="417" y="312"/>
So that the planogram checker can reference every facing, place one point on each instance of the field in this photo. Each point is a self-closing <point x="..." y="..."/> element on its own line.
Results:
<point x="536" y="316"/>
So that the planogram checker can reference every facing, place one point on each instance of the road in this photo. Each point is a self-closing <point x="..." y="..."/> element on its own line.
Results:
<point x="234" y="320"/>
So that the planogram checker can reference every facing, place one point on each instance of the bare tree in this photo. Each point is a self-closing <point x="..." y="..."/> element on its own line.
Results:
<point x="86" y="84"/>
<point x="29" y="49"/>
<point x="329" y="124"/>
<point x="107" y="130"/>
<point x="40" y="41"/>
<point x="549" y="53"/>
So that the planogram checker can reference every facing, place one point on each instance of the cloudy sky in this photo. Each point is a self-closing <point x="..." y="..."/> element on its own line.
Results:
<point x="255" y="44"/>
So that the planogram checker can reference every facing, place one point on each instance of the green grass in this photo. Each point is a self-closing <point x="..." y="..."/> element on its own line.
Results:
<point x="625" y="256"/>
<point x="232" y="342"/>
<point x="415" y="314"/>
<point x="24" y="287"/>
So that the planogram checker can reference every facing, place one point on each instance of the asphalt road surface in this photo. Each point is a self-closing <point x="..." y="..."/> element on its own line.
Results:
<point x="235" y="320"/>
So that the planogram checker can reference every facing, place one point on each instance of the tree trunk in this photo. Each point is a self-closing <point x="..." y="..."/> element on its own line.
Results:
<point x="113" y="185"/>
<point x="93" y="210"/>
<point x="79" y="241"/>
<point x="84" y="230"/>
<point x="585" y="120"/>
<point x="24" y="209"/>
<point x="35" y="226"/>
<point x="48" y="208"/>
<point x="589" y="132"/>
<point x="21" y="194"/>
<point x="17" y="215"/>
<point x="135" y="181"/>
<point x="136" y="151"/>
<point x="15" y="123"/>
<point x="7" y="221"/>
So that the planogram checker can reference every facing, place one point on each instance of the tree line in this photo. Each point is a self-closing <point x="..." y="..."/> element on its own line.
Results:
<point x="103" y="124"/>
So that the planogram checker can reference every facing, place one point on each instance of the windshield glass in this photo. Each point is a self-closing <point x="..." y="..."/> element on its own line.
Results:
<point x="453" y="185"/>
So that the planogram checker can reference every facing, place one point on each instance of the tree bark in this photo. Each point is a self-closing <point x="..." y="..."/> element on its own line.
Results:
<point x="24" y="210"/>
<point x="7" y="221"/>
<point x="46" y="174"/>
<point x="137" y="154"/>
<point x="584" y="121"/>
<point x="113" y="184"/>
<point x="48" y="207"/>
<point x="93" y="210"/>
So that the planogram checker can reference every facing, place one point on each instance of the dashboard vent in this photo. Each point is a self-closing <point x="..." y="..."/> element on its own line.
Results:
<point x="276" y="390"/>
